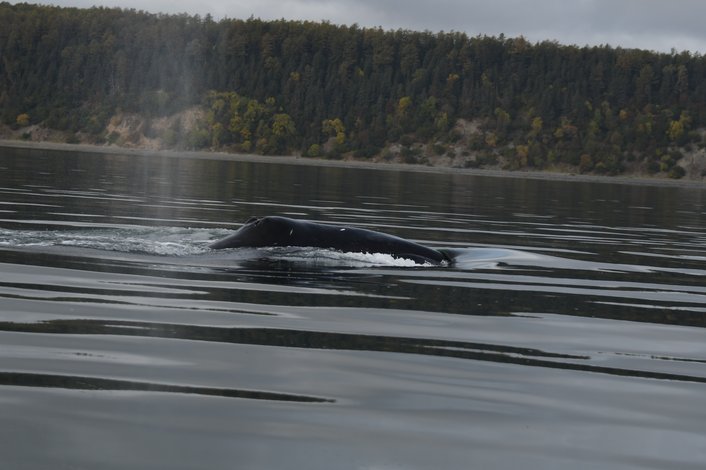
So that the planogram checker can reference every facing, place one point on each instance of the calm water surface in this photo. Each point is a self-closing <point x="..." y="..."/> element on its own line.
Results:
<point x="569" y="332"/>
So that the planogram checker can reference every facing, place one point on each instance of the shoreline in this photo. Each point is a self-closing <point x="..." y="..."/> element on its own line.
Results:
<point x="355" y="164"/>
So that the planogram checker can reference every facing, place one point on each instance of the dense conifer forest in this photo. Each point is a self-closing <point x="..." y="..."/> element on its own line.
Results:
<point x="281" y="87"/>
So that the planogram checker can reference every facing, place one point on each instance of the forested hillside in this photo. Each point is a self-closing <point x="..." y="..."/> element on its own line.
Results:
<point x="319" y="89"/>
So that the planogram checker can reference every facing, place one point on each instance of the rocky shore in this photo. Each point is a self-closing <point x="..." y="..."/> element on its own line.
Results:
<point x="349" y="163"/>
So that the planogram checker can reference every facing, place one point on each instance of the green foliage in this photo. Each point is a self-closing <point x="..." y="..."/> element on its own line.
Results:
<point x="677" y="172"/>
<point x="366" y="152"/>
<point x="197" y="139"/>
<point x="585" y="163"/>
<point x="438" y="149"/>
<point x="314" y="151"/>
<point x="334" y="127"/>
<point x="236" y="121"/>
<point x="72" y="139"/>
<point x="300" y="84"/>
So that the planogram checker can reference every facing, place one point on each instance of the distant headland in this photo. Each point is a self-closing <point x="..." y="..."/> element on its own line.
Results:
<point x="134" y="80"/>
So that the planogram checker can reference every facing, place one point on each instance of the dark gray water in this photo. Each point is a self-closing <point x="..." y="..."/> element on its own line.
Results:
<point x="569" y="333"/>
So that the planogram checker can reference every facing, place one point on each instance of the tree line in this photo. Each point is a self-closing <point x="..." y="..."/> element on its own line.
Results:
<point x="278" y="87"/>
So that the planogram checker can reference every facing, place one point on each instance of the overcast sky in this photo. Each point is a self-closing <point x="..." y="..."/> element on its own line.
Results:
<point x="646" y="24"/>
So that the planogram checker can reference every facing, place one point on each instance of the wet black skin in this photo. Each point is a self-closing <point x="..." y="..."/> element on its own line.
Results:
<point x="283" y="231"/>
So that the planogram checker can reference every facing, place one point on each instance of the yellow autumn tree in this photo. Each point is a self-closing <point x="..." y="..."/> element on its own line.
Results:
<point x="678" y="128"/>
<point x="335" y="127"/>
<point x="23" y="120"/>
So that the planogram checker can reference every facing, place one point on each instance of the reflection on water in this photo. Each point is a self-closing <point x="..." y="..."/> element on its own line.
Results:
<point x="568" y="331"/>
<point x="18" y="379"/>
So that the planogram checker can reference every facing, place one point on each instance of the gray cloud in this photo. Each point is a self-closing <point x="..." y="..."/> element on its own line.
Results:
<point x="647" y="24"/>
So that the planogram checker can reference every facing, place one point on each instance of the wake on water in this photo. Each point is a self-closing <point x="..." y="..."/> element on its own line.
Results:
<point x="189" y="243"/>
<point x="165" y="241"/>
<point x="190" y="246"/>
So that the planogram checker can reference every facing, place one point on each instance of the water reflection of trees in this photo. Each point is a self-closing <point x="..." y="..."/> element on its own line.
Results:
<point x="73" y="382"/>
<point x="313" y="340"/>
<point x="386" y="291"/>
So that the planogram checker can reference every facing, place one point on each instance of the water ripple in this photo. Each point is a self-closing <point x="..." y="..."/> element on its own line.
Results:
<point x="70" y="382"/>
<point x="343" y="342"/>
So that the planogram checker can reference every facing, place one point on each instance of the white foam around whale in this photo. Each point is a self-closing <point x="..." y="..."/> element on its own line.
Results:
<point x="327" y="258"/>
<point x="187" y="242"/>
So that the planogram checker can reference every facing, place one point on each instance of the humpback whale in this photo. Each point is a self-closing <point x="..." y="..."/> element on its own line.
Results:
<point x="283" y="231"/>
